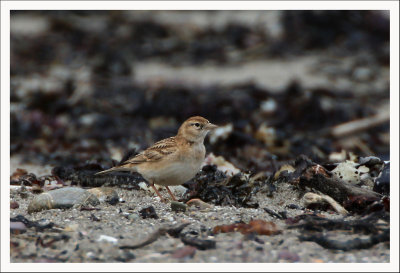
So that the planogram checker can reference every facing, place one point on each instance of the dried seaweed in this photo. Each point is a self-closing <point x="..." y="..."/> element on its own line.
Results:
<point x="28" y="223"/>
<point x="315" y="228"/>
<point x="212" y="186"/>
<point x="84" y="176"/>
<point x="201" y="244"/>
<point x="350" y="244"/>
<point x="52" y="239"/>
<point x="148" y="212"/>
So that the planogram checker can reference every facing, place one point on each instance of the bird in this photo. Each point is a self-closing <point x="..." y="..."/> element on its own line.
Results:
<point x="174" y="160"/>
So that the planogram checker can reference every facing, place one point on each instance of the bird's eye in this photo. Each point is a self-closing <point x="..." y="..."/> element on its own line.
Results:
<point x="197" y="124"/>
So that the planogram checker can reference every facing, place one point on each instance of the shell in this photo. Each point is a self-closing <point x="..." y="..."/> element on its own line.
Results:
<point x="62" y="199"/>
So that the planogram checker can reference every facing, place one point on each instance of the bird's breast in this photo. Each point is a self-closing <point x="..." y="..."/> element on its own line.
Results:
<point x="178" y="171"/>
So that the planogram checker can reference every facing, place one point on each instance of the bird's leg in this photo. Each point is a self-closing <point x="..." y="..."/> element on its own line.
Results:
<point x="157" y="192"/>
<point x="170" y="193"/>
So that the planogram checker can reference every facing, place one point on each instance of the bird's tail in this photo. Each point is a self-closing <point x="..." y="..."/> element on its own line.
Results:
<point x="114" y="169"/>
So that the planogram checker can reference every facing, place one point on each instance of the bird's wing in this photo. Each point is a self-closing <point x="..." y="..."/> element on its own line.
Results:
<point x="159" y="150"/>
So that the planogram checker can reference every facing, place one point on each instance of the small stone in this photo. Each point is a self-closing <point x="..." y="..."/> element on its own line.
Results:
<point x="178" y="206"/>
<point x="293" y="206"/>
<point x="288" y="256"/>
<point x="187" y="251"/>
<point x="370" y="161"/>
<point x="148" y="212"/>
<point x="107" y="238"/>
<point x="17" y="227"/>
<point x="133" y="217"/>
<point x="362" y="74"/>
<point x="14" y="205"/>
<point x="71" y="228"/>
<point x="63" y="198"/>
<point x="382" y="182"/>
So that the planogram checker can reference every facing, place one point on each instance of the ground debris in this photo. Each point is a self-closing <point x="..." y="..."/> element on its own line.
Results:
<point x="17" y="227"/>
<point x="148" y="212"/>
<point x="198" y="204"/>
<point x="173" y="231"/>
<point x="23" y="178"/>
<point x="311" y="198"/>
<point x="350" y="244"/>
<point x="321" y="230"/>
<point x="201" y="244"/>
<point x="105" y="194"/>
<point x="51" y="239"/>
<point x="364" y="205"/>
<point x="84" y="176"/>
<point x="382" y="182"/>
<point x="280" y="215"/>
<point x="212" y="186"/>
<point x="17" y="175"/>
<point x="187" y="251"/>
<point x="178" y="206"/>
<point x="38" y="227"/>
<point x="14" y="205"/>
<point x="254" y="226"/>
<point x="312" y="222"/>
<point x="63" y="198"/>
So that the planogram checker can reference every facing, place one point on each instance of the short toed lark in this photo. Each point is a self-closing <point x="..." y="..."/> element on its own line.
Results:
<point x="174" y="160"/>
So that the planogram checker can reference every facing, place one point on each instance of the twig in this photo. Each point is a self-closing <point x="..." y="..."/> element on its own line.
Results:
<point x="363" y="124"/>
<point x="173" y="231"/>
<point x="335" y="188"/>
<point x="313" y="198"/>
<point x="274" y="214"/>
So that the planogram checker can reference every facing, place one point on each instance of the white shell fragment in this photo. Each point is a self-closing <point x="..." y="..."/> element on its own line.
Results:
<point x="268" y="106"/>
<point x="222" y="165"/>
<point x="348" y="172"/>
<point x="106" y="238"/>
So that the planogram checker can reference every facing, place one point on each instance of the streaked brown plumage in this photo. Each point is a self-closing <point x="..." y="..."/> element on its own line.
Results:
<point x="174" y="160"/>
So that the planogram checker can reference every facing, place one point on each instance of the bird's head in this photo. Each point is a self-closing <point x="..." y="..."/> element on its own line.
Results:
<point x="195" y="129"/>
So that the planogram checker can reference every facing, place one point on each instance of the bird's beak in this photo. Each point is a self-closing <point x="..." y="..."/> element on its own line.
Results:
<point x="211" y="126"/>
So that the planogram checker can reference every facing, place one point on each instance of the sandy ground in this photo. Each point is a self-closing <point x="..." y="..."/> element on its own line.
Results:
<point x="84" y="228"/>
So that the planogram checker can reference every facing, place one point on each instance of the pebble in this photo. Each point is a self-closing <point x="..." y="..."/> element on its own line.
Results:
<point x="17" y="227"/>
<point x="184" y="252"/>
<point x="107" y="238"/>
<point x="148" y="212"/>
<point x="133" y="217"/>
<point x="362" y="74"/>
<point x="288" y="256"/>
<point x="178" y="206"/>
<point x="62" y="199"/>
<point x="14" y="205"/>
<point x="382" y="182"/>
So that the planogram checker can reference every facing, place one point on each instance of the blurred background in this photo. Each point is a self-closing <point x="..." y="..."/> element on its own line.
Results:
<point x="90" y="86"/>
